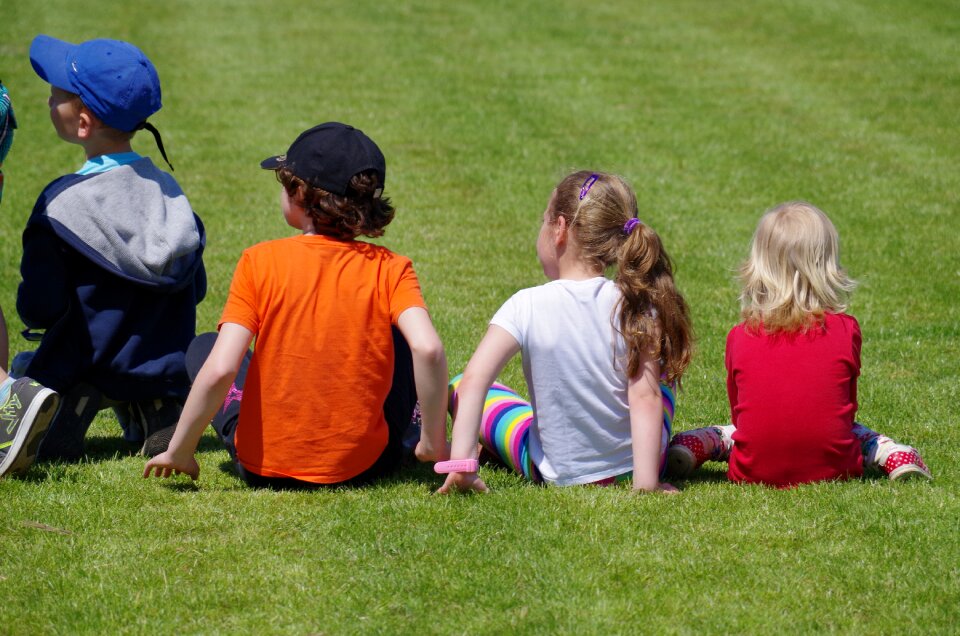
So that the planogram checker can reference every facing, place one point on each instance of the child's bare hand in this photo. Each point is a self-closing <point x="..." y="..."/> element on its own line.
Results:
<point x="463" y="482"/>
<point x="664" y="487"/>
<point x="166" y="464"/>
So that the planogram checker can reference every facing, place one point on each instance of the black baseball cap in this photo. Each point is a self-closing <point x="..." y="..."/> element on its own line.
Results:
<point x="329" y="155"/>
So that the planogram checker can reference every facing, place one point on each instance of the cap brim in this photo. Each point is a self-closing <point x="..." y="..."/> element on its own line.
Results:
<point x="273" y="163"/>
<point x="50" y="59"/>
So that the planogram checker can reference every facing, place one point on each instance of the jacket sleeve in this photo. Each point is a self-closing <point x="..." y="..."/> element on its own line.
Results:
<point x="42" y="297"/>
<point x="200" y="284"/>
<point x="200" y="278"/>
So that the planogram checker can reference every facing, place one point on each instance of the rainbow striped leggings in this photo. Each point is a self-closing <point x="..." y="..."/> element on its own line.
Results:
<point x="505" y="429"/>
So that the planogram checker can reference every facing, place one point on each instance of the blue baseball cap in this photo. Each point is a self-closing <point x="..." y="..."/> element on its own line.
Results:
<point x="114" y="79"/>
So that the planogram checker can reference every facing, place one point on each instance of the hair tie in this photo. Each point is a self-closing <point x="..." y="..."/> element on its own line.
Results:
<point x="630" y="224"/>
<point x="588" y="184"/>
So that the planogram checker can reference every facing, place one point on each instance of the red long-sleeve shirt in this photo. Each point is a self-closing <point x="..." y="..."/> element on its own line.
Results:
<point x="793" y="397"/>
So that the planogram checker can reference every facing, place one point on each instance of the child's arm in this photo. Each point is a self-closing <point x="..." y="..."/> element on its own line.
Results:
<point x="492" y="354"/>
<point x="732" y="390"/>
<point x="43" y="294"/>
<point x="200" y="284"/>
<point x="430" y="376"/>
<point x="206" y="396"/>
<point x="646" y="427"/>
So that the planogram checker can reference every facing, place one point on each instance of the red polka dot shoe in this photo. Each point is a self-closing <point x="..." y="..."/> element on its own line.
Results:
<point x="882" y="454"/>
<point x="690" y="449"/>
<point x="904" y="463"/>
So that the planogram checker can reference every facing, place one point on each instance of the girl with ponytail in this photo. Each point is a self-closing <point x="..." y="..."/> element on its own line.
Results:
<point x="601" y="357"/>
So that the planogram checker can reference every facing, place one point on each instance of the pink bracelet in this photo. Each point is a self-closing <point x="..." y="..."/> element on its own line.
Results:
<point x="457" y="466"/>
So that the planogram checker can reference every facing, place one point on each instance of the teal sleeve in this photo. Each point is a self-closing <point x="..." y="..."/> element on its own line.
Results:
<point x="7" y="123"/>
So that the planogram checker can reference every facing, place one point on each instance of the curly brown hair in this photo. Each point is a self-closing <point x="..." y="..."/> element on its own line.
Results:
<point x="361" y="211"/>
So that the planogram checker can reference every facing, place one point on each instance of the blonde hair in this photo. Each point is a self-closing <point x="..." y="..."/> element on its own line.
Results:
<point x="596" y="207"/>
<point x="793" y="275"/>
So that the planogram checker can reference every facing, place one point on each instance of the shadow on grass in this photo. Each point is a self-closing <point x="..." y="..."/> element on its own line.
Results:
<point x="717" y="473"/>
<point x="409" y="472"/>
<point x="227" y="466"/>
<point x="703" y="475"/>
<point x="98" y="449"/>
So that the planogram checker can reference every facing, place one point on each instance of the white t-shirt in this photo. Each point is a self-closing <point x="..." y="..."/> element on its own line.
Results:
<point x="574" y="362"/>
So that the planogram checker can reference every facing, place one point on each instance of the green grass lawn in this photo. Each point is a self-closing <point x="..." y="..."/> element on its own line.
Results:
<point x="714" y="112"/>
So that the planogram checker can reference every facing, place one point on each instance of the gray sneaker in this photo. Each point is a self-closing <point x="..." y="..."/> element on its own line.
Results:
<point x="142" y="422"/>
<point x="25" y="416"/>
<point x="158" y="442"/>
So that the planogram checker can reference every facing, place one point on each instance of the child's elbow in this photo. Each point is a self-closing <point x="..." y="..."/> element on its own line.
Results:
<point x="217" y="371"/>
<point x="475" y="380"/>
<point x="428" y="351"/>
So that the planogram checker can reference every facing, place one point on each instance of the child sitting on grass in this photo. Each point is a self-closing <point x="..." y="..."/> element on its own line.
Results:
<point x="112" y="260"/>
<point x="328" y="394"/>
<point x="792" y="368"/>
<point x="600" y="356"/>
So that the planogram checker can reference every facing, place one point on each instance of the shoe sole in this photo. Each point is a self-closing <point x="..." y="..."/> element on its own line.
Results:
<point x="680" y="461"/>
<point x="28" y="439"/>
<point x="909" y="472"/>
<point x="158" y="442"/>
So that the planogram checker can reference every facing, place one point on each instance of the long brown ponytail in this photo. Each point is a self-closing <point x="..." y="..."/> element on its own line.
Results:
<point x="653" y="316"/>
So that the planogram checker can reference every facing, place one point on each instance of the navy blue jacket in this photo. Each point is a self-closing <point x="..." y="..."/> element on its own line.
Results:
<point x="112" y="273"/>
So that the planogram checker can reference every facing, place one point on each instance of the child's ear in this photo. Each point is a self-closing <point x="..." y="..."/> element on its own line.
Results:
<point x="87" y="122"/>
<point x="297" y="196"/>
<point x="560" y="235"/>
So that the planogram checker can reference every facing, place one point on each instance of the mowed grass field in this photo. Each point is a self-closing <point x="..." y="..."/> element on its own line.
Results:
<point x="714" y="112"/>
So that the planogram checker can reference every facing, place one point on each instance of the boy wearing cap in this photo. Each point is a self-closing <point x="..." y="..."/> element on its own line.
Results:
<point x="112" y="254"/>
<point x="328" y="393"/>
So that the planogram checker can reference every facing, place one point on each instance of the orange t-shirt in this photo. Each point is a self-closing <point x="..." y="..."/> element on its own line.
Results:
<point x="321" y="311"/>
